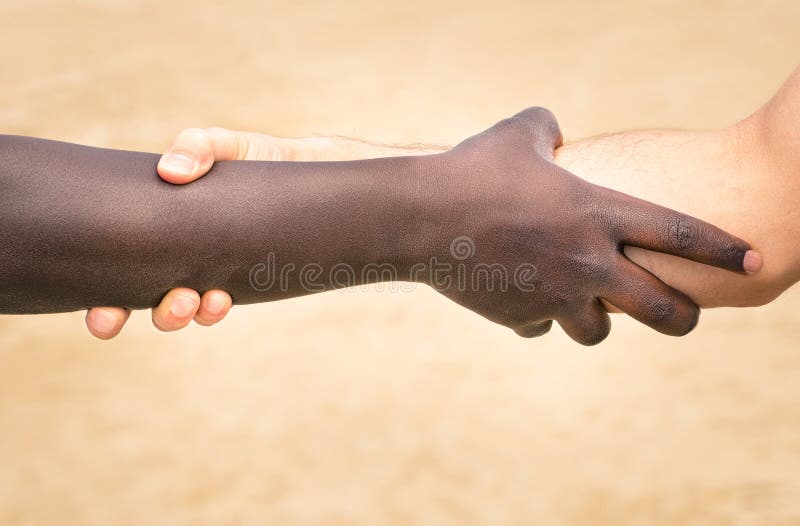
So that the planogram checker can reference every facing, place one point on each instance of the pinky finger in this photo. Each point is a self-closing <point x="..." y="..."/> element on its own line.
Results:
<point x="106" y="322"/>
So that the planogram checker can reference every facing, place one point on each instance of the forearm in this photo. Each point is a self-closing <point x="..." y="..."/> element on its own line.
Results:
<point x="84" y="226"/>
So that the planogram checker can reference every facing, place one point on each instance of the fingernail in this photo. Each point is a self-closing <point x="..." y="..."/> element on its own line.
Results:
<point x="752" y="262"/>
<point x="182" y="306"/>
<point x="104" y="322"/>
<point x="177" y="163"/>
<point x="215" y="305"/>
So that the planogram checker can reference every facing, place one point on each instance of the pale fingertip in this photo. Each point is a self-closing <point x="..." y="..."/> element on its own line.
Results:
<point x="218" y="303"/>
<point x="177" y="168"/>
<point x="214" y="306"/>
<point x="752" y="262"/>
<point x="177" y="163"/>
<point x="184" y="305"/>
<point x="189" y="157"/>
<point x="176" y="310"/>
<point x="105" y="323"/>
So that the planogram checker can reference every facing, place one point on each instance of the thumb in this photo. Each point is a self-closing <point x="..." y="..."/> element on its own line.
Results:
<point x="189" y="157"/>
<point x="194" y="151"/>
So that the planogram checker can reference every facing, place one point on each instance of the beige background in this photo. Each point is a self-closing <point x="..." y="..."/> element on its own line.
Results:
<point x="378" y="408"/>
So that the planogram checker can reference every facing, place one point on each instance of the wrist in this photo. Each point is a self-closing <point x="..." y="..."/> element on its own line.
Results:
<point x="420" y="201"/>
<point x="436" y="212"/>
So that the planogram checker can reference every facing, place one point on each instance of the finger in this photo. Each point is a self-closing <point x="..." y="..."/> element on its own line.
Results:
<point x="646" y="298"/>
<point x="195" y="151"/>
<point x="655" y="227"/>
<point x="589" y="326"/>
<point x="176" y="310"/>
<point x="189" y="157"/>
<point x="214" y="306"/>
<point x="534" y="329"/>
<point x="106" y="322"/>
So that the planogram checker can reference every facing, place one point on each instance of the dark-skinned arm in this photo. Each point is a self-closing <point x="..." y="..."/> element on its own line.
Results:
<point x="85" y="227"/>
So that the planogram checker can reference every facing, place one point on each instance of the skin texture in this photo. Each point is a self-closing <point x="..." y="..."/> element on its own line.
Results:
<point x="728" y="177"/>
<point x="98" y="233"/>
<point x="742" y="178"/>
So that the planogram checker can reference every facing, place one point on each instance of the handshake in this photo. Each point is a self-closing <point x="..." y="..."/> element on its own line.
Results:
<point x="493" y="223"/>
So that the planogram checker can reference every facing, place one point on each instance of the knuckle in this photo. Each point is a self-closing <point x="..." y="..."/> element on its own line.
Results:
<point x="661" y="311"/>
<point x="594" y="263"/>
<point x="219" y="136"/>
<point x="228" y="145"/>
<point x="243" y="147"/>
<point x="597" y="209"/>
<point x="682" y="232"/>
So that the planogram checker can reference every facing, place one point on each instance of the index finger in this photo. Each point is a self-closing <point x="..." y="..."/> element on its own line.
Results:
<point x="654" y="227"/>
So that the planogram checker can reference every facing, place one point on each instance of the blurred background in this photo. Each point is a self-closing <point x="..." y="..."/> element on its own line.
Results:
<point x="369" y="407"/>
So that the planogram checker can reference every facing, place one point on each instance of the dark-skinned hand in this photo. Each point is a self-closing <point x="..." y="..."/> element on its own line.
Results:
<point x="508" y="210"/>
